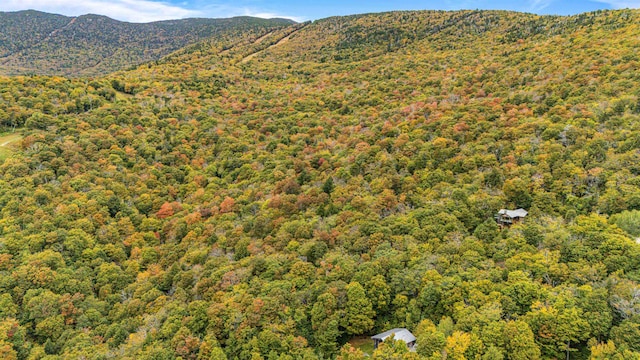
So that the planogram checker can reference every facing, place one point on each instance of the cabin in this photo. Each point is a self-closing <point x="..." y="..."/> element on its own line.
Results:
<point x="398" y="334"/>
<point x="506" y="217"/>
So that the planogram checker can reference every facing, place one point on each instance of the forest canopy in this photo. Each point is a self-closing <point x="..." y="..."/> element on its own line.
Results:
<point x="277" y="195"/>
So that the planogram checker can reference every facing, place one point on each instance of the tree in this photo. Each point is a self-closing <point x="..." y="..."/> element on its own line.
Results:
<point x="217" y="354"/>
<point x="493" y="353"/>
<point x="558" y="326"/>
<point x="457" y="345"/>
<point x="597" y="311"/>
<point x="227" y="205"/>
<point x="608" y="351"/>
<point x="7" y="307"/>
<point x="627" y="334"/>
<point x="359" y="314"/>
<point x="517" y="192"/>
<point x="328" y="185"/>
<point x="429" y="340"/>
<point x="628" y="221"/>
<point x="519" y="341"/>
<point x="520" y="293"/>
<point x="348" y="352"/>
<point x="7" y="352"/>
<point x="392" y="349"/>
<point x="165" y="211"/>
<point x="379" y="293"/>
<point x="325" y="320"/>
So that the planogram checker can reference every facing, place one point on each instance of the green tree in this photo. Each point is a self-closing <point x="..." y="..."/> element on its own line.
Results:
<point x="519" y="341"/>
<point x="392" y="349"/>
<point x="359" y="314"/>
<point x="326" y="320"/>
<point x="429" y="340"/>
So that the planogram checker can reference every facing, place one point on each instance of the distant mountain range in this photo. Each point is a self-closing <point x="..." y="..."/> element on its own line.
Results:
<point x="41" y="43"/>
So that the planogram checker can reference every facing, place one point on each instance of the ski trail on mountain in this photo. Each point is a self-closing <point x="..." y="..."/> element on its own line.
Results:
<point x="284" y="40"/>
<point x="56" y="31"/>
<point x="257" y="41"/>
<point x="261" y="38"/>
<point x="53" y="33"/>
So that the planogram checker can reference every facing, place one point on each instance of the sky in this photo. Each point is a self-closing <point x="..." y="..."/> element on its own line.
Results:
<point x="298" y="10"/>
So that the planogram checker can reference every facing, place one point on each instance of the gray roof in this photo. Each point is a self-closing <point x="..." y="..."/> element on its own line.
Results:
<point x="518" y="213"/>
<point x="399" y="334"/>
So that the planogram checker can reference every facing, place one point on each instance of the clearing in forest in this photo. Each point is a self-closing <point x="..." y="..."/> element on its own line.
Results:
<point x="364" y="343"/>
<point x="6" y="143"/>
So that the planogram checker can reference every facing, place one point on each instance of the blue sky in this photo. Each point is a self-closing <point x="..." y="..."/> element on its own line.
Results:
<point x="152" y="10"/>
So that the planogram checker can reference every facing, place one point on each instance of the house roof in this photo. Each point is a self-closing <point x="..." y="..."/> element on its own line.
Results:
<point x="518" y="213"/>
<point x="399" y="334"/>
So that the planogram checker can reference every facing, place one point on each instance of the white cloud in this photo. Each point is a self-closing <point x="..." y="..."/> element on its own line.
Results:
<point x="125" y="10"/>
<point x="539" y="5"/>
<point x="622" y="4"/>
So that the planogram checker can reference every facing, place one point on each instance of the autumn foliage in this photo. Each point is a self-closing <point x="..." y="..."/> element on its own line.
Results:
<point x="283" y="193"/>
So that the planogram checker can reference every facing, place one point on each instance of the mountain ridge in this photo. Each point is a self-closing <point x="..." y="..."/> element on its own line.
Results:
<point x="49" y="44"/>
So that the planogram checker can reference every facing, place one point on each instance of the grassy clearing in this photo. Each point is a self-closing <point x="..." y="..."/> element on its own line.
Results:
<point x="7" y="141"/>
<point x="363" y="343"/>
<point x="123" y="96"/>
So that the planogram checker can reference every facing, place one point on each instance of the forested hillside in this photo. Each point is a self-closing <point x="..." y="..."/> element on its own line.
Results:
<point x="33" y="42"/>
<point x="274" y="196"/>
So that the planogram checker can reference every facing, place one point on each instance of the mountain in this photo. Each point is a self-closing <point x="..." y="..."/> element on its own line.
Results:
<point x="33" y="42"/>
<point x="287" y="194"/>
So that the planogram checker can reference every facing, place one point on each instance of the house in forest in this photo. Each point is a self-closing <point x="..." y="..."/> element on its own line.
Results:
<point x="506" y="217"/>
<point x="398" y="334"/>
